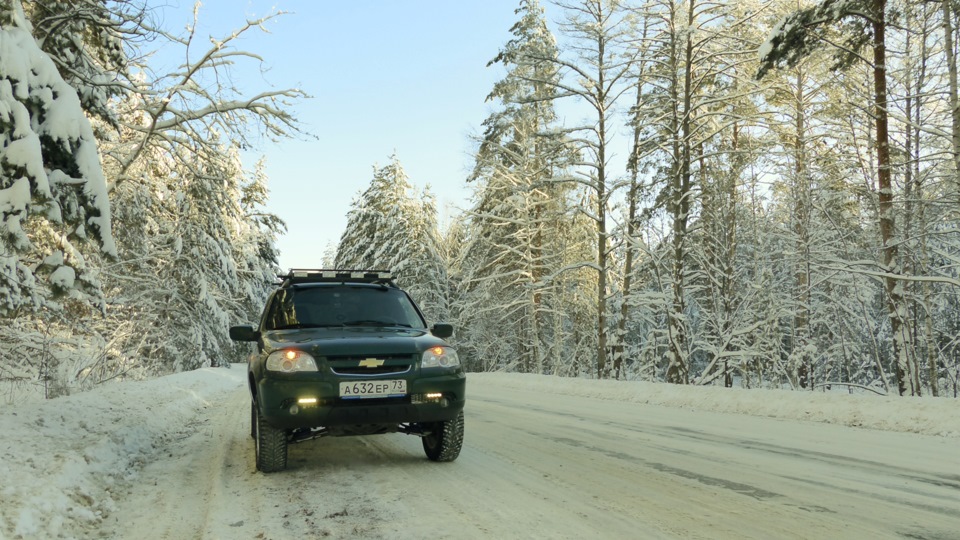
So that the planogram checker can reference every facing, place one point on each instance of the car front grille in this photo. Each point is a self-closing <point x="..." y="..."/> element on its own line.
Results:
<point x="365" y="366"/>
<point x="381" y="370"/>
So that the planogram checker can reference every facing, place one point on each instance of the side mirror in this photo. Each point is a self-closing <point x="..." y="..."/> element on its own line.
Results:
<point x="244" y="333"/>
<point x="442" y="330"/>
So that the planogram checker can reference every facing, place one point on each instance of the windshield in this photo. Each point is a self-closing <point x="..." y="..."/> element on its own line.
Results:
<point x="344" y="305"/>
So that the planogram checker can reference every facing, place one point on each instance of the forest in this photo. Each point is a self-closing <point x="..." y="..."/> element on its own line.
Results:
<point x="761" y="194"/>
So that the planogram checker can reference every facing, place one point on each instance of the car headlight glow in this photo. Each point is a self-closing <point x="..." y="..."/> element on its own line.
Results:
<point x="290" y="361"/>
<point x="440" y="356"/>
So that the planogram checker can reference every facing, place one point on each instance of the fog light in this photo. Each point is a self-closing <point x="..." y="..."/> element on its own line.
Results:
<point x="294" y="409"/>
<point x="432" y="397"/>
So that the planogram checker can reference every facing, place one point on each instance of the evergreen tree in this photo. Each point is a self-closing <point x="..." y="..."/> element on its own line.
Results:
<point x="198" y="256"/>
<point x="88" y="40"/>
<point x="53" y="196"/>
<point x="597" y="71"/>
<point x="389" y="228"/>
<point x="512" y="246"/>
<point x="197" y="251"/>
<point x="794" y="38"/>
<point x="376" y="219"/>
<point x="696" y="120"/>
<point x="190" y="250"/>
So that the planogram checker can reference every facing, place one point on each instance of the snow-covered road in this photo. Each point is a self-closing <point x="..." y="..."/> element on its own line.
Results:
<point x="543" y="465"/>
<point x="538" y="462"/>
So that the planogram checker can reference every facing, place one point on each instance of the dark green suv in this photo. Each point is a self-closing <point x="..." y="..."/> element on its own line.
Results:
<point x="346" y="352"/>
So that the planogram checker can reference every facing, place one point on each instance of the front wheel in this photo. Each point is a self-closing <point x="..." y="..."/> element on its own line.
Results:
<point x="270" y="445"/>
<point x="444" y="440"/>
<point x="253" y="419"/>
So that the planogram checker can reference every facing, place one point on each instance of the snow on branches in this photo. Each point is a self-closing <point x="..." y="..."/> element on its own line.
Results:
<point x="52" y="187"/>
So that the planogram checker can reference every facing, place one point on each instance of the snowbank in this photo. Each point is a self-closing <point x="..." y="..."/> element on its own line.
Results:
<point x="63" y="462"/>
<point x="925" y="415"/>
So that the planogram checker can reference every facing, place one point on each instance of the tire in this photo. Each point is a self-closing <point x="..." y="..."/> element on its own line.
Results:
<point x="253" y="419"/>
<point x="270" y="445"/>
<point x="445" y="439"/>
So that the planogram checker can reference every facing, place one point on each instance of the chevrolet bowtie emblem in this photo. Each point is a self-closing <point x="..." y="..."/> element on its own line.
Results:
<point x="371" y="363"/>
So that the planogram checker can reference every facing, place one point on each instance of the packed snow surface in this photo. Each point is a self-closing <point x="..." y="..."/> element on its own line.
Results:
<point x="543" y="457"/>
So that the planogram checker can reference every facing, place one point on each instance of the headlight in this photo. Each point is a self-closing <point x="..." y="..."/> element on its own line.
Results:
<point x="440" y="356"/>
<point x="290" y="361"/>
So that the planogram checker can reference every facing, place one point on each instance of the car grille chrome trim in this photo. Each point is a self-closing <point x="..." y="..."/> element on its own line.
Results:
<point x="370" y="372"/>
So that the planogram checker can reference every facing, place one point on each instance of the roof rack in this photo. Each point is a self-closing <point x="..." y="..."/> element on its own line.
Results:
<point x="321" y="275"/>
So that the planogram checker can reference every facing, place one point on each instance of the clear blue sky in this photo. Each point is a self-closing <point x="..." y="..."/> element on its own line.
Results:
<point x="386" y="76"/>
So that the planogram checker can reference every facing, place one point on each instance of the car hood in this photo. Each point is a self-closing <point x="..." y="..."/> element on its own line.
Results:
<point x="352" y="341"/>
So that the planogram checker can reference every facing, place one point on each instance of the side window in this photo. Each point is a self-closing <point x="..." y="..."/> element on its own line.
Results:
<point x="265" y="317"/>
<point x="410" y="311"/>
<point x="280" y="313"/>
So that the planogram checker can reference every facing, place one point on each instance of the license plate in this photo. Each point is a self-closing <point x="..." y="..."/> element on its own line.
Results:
<point x="373" y="389"/>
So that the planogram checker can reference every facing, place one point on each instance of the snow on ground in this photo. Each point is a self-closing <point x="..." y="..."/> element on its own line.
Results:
<point x="928" y="416"/>
<point x="61" y="460"/>
<point x="66" y="465"/>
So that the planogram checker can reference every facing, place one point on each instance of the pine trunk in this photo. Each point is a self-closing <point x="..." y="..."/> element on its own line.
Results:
<point x="678" y="370"/>
<point x="801" y="228"/>
<point x="601" y="104"/>
<point x="896" y="306"/>
<point x="628" y="243"/>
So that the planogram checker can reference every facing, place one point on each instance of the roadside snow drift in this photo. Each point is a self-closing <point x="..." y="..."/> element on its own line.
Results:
<point x="61" y="461"/>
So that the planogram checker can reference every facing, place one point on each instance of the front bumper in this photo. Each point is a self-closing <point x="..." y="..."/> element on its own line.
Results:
<point x="278" y="397"/>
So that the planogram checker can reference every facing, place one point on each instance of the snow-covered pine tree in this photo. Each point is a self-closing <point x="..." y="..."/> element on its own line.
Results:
<point x="696" y="115"/>
<point x="812" y="197"/>
<point x="53" y="196"/>
<point x="54" y="210"/>
<point x="197" y="250"/>
<point x="512" y="241"/>
<point x="89" y="40"/>
<point x="255" y="242"/>
<point x="727" y="144"/>
<point x="421" y="261"/>
<point x="596" y="69"/>
<point x="375" y="216"/>
<point x="198" y="255"/>
<point x="390" y="227"/>
<point x="794" y="38"/>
